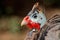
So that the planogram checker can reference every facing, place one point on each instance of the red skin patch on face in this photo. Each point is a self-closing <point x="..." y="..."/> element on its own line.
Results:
<point x="31" y="24"/>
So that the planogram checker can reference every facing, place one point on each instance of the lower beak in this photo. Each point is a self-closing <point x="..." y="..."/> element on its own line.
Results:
<point x="23" y="23"/>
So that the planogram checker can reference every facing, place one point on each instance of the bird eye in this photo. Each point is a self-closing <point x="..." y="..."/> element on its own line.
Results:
<point x="35" y="16"/>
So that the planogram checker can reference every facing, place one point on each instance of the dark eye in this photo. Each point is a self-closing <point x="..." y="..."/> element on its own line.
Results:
<point x="35" y="16"/>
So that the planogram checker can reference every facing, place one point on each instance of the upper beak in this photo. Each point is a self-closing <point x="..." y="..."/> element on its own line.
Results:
<point x="23" y="23"/>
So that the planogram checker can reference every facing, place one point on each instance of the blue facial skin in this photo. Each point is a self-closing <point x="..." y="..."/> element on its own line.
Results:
<point x="43" y="20"/>
<point x="38" y="17"/>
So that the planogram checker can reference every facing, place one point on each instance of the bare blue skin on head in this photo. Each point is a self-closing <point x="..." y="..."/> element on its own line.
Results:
<point x="37" y="17"/>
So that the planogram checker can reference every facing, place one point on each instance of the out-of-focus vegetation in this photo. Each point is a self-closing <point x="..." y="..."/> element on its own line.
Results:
<point x="12" y="11"/>
<point x="11" y="24"/>
<point x="52" y="2"/>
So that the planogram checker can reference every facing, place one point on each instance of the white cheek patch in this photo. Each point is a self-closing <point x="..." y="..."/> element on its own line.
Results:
<point x="34" y="20"/>
<point x="43" y="20"/>
<point x="40" y="19"/>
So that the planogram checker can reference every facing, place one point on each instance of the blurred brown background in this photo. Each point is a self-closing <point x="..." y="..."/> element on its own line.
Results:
<point x="22" y="7"/>
<point x="13" y="11"/>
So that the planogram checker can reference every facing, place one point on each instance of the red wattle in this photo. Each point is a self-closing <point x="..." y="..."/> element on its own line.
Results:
<point x="31" y="24"/>
<point x="34" y="25"/>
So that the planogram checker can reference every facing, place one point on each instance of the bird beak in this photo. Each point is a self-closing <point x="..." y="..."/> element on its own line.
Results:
<point x="23" y="23"/>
